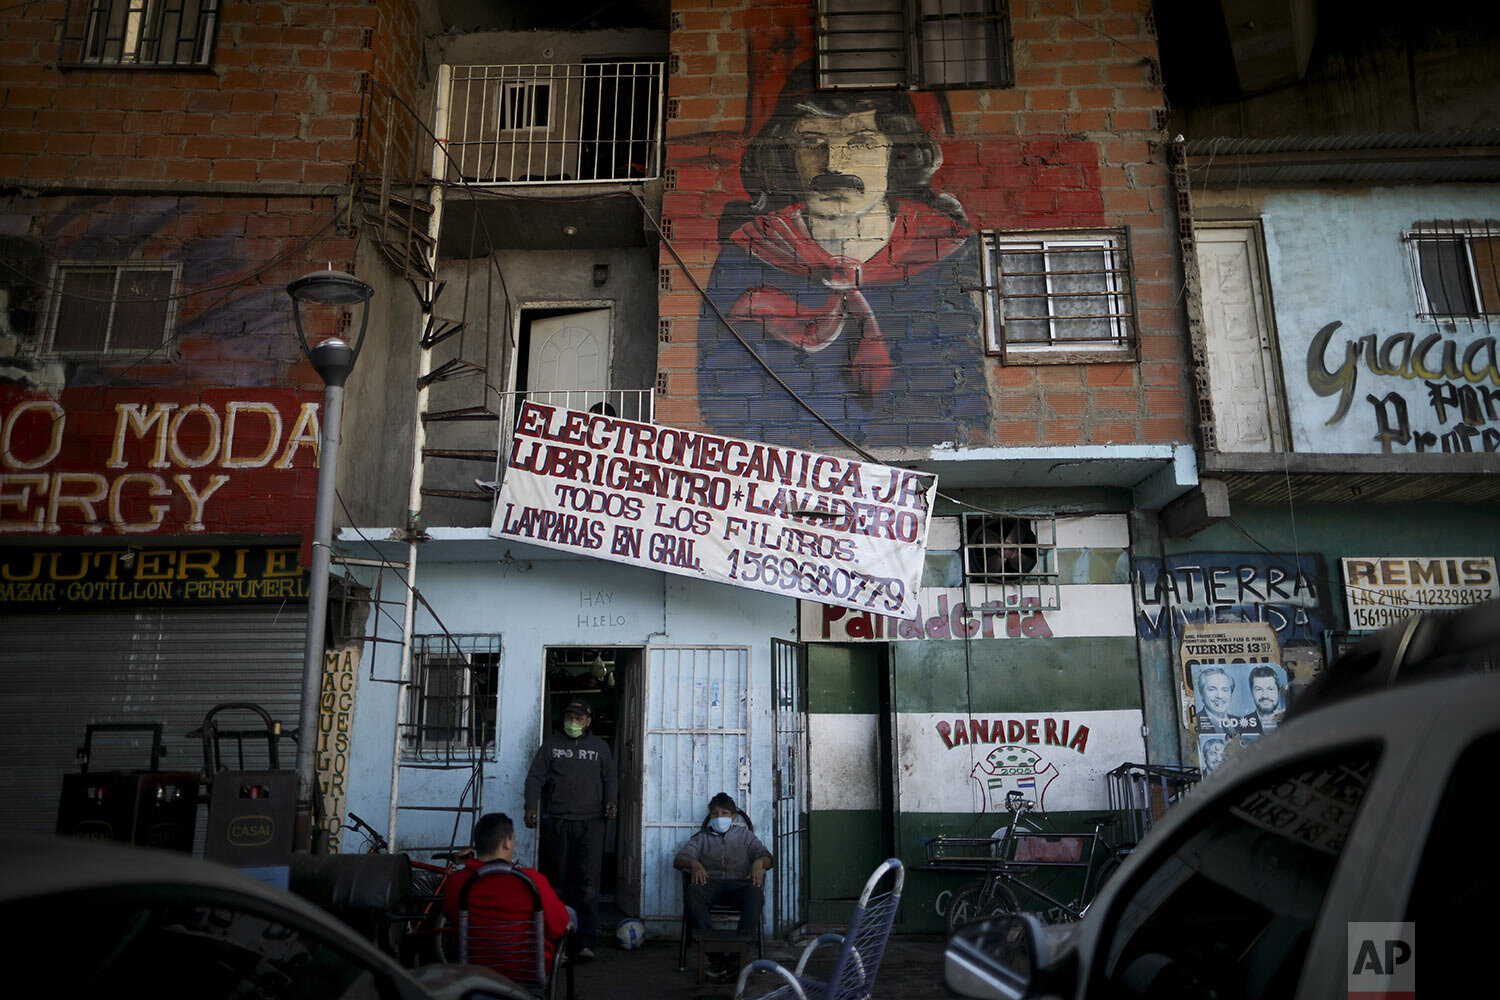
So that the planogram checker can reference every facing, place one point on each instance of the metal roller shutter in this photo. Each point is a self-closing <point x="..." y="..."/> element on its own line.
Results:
<point x="60" y="672"/>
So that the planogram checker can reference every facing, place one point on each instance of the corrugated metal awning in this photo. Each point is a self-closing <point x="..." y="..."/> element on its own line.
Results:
<point x="1363" y="479"/>
<point x="1466" y="155"/>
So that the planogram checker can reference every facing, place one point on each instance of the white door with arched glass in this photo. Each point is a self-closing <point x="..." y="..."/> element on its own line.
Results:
<point x="568" y="363"/>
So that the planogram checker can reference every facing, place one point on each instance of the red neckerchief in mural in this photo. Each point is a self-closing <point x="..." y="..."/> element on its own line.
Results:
<point x="920" y="237"/>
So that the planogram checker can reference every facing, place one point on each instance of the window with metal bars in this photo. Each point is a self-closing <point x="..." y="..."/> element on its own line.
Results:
<point x="1456" y="269"/>
<point x="141" y="34"/>
<point x="451" y="705"/>
<point x="1010" y="561"/>
<point x="913" y="44"/>
<point x="525" y="106"/>
<point x="1062" y="296"/>
<point x="111" y="309"/>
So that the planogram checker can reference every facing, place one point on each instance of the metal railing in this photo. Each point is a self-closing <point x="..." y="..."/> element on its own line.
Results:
<point x="632" y="404"/>
<point x="555" y="123"/>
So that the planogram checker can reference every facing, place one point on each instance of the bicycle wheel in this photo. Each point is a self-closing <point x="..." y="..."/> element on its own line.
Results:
<point x="1106" y="872"/>
<point x="972" y="902"/>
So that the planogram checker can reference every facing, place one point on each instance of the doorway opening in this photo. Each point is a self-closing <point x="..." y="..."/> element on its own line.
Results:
<point x="563" y="355"/>
<point x="851" y="825"/>
<point x="608" y="679"/>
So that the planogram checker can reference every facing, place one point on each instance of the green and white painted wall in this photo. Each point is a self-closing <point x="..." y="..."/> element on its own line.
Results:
<point x="920" y="727"/>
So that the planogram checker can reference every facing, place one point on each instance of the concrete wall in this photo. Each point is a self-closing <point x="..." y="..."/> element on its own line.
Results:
<point x="481" y="48"/>
<point x="526" y="279"/>
<point x="981" y="702"/>
<point x="532" y="600"/>
<point x="1374" y="68"/>
<point x="1279" y="566"/>
<point x="1363" y="372"/>
<point x="375" y="456"/>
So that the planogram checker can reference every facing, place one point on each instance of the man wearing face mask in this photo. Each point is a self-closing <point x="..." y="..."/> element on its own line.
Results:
<point x="575" y="771"/>
<point x="727" y="864"/>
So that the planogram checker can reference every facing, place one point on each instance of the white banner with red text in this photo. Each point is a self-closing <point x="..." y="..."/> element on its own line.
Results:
<point x="760" y="516"/>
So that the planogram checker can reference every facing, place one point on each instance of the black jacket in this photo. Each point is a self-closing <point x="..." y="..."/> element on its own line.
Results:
<point x="577" y="775"/>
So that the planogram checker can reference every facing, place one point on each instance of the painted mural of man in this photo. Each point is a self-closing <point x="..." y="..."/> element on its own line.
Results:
<point x="846" y="281"/>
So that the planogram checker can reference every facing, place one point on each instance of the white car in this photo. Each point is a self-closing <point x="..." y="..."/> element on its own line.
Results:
<point x="1308" y="867"/>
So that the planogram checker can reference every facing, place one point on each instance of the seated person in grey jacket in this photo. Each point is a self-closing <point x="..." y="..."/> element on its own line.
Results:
<point x="727" y="865"/>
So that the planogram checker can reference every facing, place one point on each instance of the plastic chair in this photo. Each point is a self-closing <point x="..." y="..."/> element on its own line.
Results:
<point x="860" y="947"/>
<point x="515" y="948"/>
<point x="719" y="911"/>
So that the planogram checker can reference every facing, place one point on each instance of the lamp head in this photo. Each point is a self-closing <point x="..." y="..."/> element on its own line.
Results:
<point x="333" y="358"/>
<point x="330" y="288"/>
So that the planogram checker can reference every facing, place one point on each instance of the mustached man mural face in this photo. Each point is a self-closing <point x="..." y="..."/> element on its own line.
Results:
<point x="843" y="273"/>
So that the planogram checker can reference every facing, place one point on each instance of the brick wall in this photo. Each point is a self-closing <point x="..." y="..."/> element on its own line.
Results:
<point x="234" y="256"/>
<point x="1075" y="143"/>
<point x="279" y="103"/>
<point x="70" y="460"/>
<point x="233" y="176"/>
<point x="396" y="56"/>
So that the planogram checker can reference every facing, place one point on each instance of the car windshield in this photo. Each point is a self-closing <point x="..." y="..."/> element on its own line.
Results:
<point x="180" y="949"/>
<point x="1232" y="908"/>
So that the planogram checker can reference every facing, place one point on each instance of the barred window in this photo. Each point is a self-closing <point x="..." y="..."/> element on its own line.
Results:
<point x="1457" y="273"/>
<point x="1063" y="296"/>
<point x="1010" y="561"/>
<point x="111" y="309"/>
<point x="451" y="705"/>
<point x="525" y="106"/>
<point x="143" y="34"/>
<point x="913" y="44"/>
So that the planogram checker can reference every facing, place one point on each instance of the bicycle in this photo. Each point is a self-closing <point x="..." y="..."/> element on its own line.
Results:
<point x="418" y="938"/>
<point x="1017" y="858"/>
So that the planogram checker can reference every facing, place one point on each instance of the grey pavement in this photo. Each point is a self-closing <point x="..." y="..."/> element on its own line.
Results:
<point x="912" y="967"/>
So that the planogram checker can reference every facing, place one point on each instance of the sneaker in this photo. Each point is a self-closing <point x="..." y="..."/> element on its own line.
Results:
<point x="585" y="954"/>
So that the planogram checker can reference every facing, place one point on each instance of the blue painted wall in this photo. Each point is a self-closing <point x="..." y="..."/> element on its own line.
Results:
<point x="1309" y="236"/>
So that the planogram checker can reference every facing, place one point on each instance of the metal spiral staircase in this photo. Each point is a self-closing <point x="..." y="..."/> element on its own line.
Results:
<point x="400" y="200"/>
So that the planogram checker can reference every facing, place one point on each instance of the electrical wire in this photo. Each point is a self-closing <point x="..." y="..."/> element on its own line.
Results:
<point x="117" y="378"/>
<point x="729" y="325"/>
<point x="388" y="566"/>
<point x="656" y="224"/>
<point x="1095" y="29"/>
<point x="1296" y="567"/>
<point x="150" y="264"/>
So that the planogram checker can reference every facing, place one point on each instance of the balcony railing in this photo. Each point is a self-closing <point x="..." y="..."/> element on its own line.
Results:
<point x="632" y="404"/>
<point x="555" y="123"/>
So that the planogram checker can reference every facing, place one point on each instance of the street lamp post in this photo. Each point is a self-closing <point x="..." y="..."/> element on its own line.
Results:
<point x="334" y="360"/>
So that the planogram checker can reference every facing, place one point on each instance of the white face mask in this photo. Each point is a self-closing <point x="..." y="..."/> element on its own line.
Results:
<point x="721" y="824"/>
